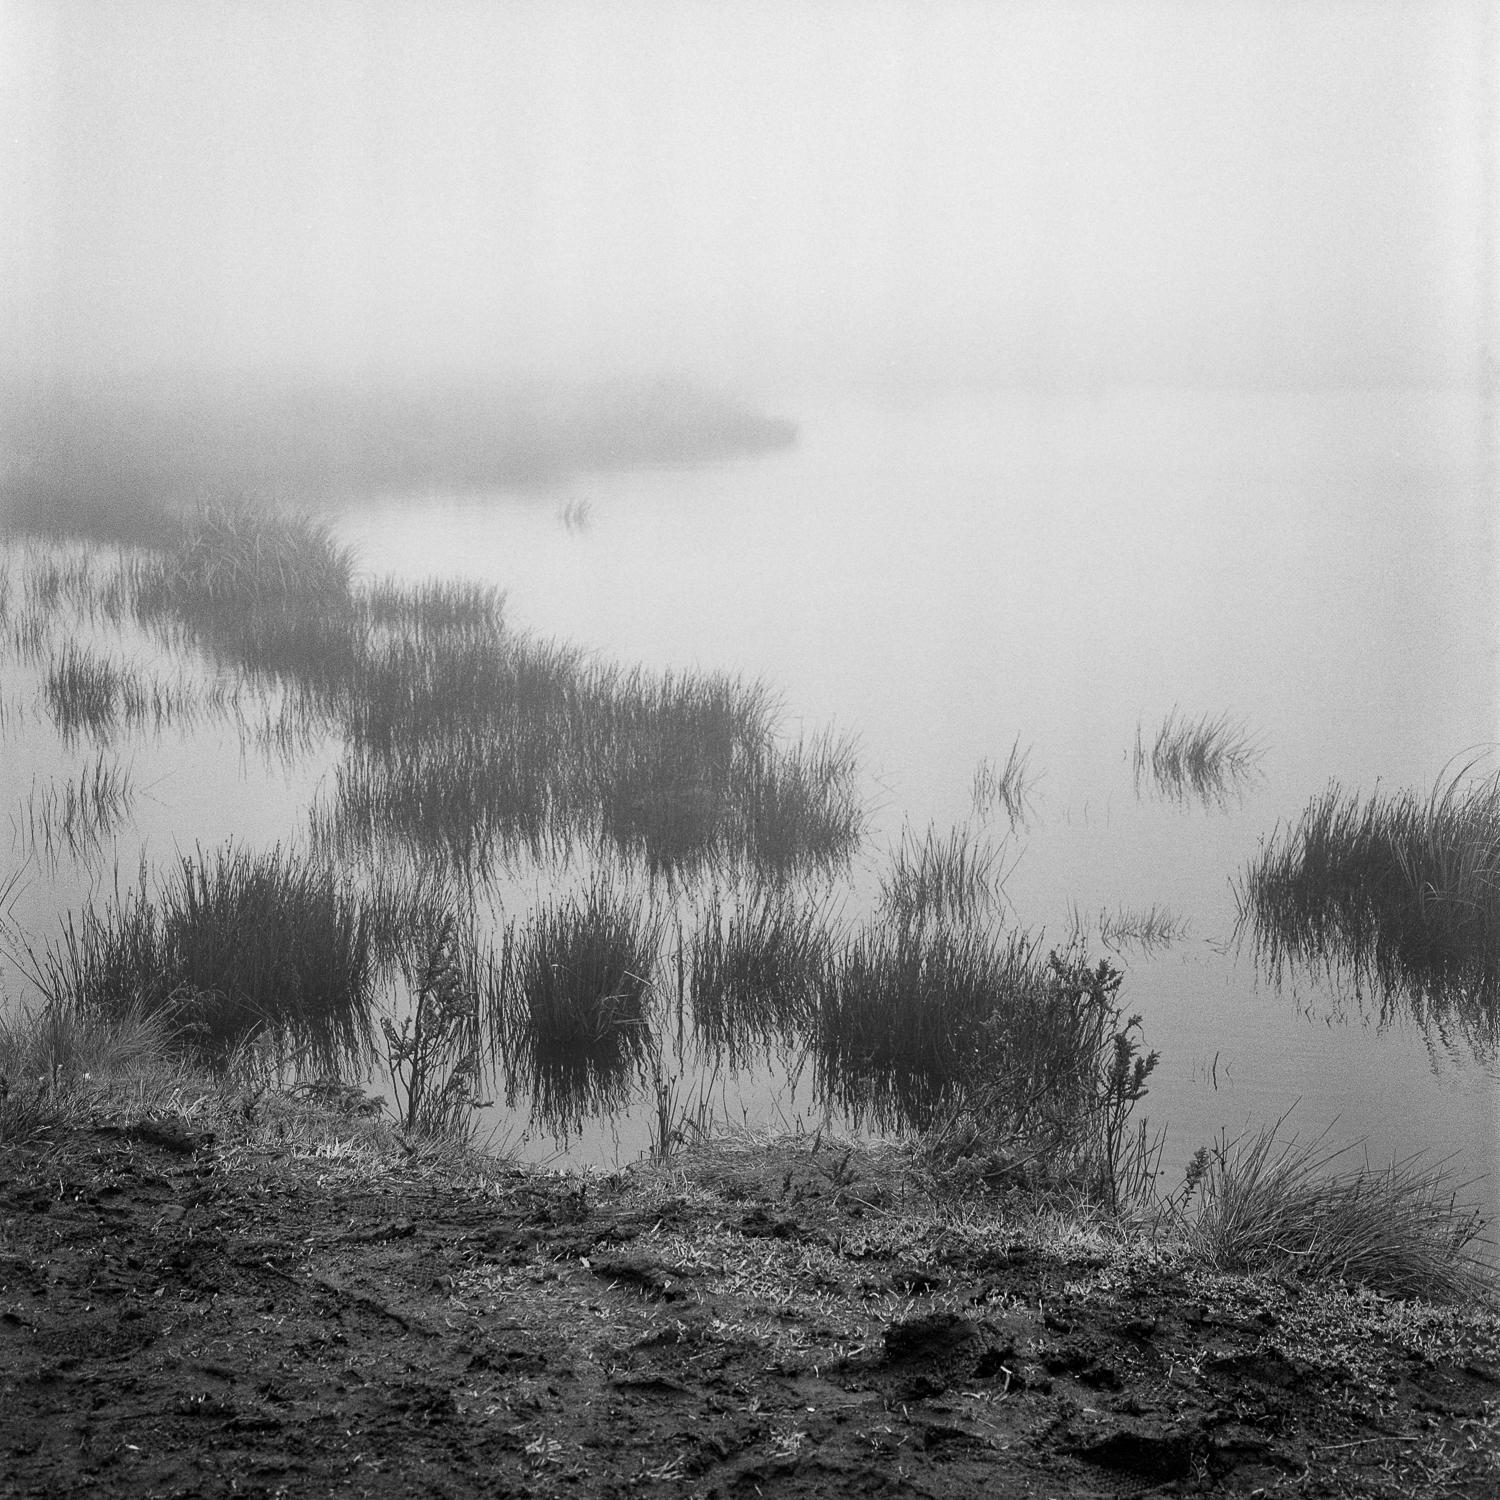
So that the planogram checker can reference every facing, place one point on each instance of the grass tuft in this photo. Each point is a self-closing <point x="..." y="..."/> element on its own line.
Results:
<point x="1008" y="787"/>
<point x="569" y="1001"/>
<point x="236" y="946"/>
<point x="1273" y="1204"/>
<point x="1205" y="759"/>
<point x="1402" y="891"/>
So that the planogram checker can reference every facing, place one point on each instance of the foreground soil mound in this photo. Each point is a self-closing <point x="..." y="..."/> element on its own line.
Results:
<point x="180" y="1316"/>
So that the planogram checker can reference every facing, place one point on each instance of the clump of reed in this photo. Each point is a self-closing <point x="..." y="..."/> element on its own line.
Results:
<point x="755" y="968"/>
<point x="1403" y="891"/>
<point x="798" y="807"/>
<point x="1267" y="1203"/>
<point x="474" y="747"/>
<point x="1008" y="787"/>
<point x="77" y="814"/>
<point x="234" y="947"/>
<point x="569" y="997"/>
<point x="935" y="879"/>
<point x="1206" y="758"/>
<point x="437" y="609"/>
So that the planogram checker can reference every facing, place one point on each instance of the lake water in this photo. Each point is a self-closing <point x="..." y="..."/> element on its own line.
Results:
<point x="947" y="577"/>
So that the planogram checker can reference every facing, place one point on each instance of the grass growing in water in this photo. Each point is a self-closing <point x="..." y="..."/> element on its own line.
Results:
<point x="262" y="591"/>
<point x="235" y="946"/>
<point x="1207" y="758"/>
<point x="954" y="879"/>
<point x="1146" y="928"/>
<point x="1009" y="787"/>
<point x="755" y="969"/>
<point x="1273" y="1204"/>
<point x="77" y="814"/>
<point x="1403" y="891"/>
<point x="569" y="1001"/>
<point x="85" y="692"/>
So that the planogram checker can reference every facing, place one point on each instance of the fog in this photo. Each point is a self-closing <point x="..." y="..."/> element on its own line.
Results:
<point x="767" y="195"/>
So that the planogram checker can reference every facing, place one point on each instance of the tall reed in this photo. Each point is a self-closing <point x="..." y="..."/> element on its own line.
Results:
<point x="77" y="814"/>
<point x="954" y="879"/>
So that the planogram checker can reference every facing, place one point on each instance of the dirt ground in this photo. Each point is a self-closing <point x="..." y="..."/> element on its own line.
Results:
<point x="185" y="1316"/>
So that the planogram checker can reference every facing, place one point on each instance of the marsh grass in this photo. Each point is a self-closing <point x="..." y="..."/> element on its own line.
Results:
<point x="234" y="946"/>
<point x="956" y="879"/>
<point x="478" y="743"/>
<point x="265" y="591"/>
<point x="437" y="609"/>
<point x="569" y="1001"/>
<point x="1271" y="1203"/>
<point x="78" y="814"/>
<point x="485" y="751"/>
<point x="1008" y="787"/>
<point x="1206" y="759"/>
<point x="1401" y="891"/>
<point x="754" y="969"/>
<point x="1017" y="1070"/>
<point x="88" y="693"/>
<point x="901" y="1017"/>
<point x="1146" y="929"/>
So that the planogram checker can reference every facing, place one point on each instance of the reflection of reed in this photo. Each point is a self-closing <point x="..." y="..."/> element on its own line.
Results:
<point x="1206" y="759"/>
<point x="1402" y="892"/>
<point x="76" y="815"/>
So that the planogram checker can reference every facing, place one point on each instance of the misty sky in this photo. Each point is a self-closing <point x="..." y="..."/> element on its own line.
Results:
<point x="764" y="192"/>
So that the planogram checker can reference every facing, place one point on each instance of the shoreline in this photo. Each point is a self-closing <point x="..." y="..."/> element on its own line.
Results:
<point x="292" y="1298"/>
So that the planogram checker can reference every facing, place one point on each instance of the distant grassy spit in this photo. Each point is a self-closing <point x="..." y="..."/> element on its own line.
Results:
<point x="1402" y="892"/>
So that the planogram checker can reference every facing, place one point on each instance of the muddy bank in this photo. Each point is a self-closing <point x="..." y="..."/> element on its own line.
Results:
<point x="181" y="1314"/>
